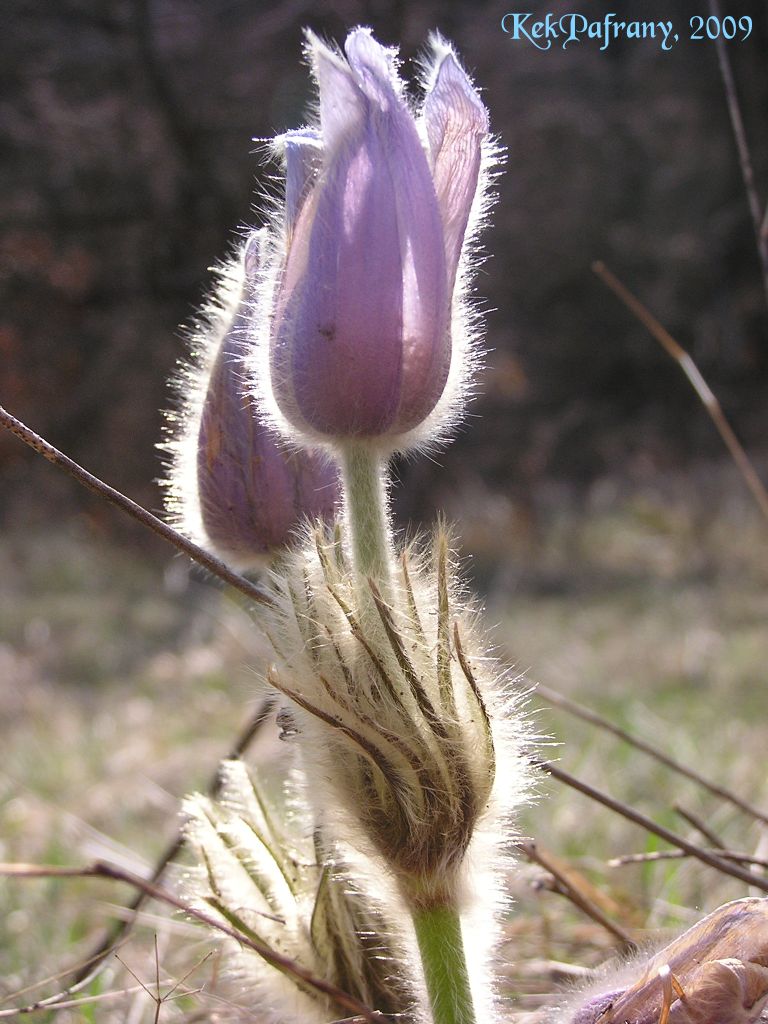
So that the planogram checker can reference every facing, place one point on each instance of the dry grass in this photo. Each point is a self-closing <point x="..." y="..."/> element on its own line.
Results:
<point x="650" y="607"/>
<point x="124" y="682"/>
<point x="123" y="685"/>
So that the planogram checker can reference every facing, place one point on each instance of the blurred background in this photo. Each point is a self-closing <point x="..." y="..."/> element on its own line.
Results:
<point x="609" y="534"/>
<point x="128" y="163"/>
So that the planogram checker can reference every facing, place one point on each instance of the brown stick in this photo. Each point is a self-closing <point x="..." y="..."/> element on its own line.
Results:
<point x="117" y="933"/>
<point x="745" y="158"/>
<point x="587" y="715"/>
<point x="100" y="869"/>
<point x="654" y="855"/>
<point x="101" y="997"/>
<point x="700" y="386"/>
<point x="710" y="859"/>
<point x="39" y="1004"/>
<point x="567" y="889"/>
<point x="131" y="508"/>
<point x="699" y="825"/>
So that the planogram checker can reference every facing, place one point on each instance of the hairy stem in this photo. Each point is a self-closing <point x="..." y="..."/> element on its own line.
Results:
<point x="365" y="497"/>
<point x="438" y="932"/>
<point x="438" y="929"/>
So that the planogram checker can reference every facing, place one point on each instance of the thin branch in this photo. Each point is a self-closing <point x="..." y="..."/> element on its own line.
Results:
<point x="100" y="869"/>
<point x="699" y="825"/>
<point x="70" y="990"/>
<point x="587" y="715"/>
<point x="745" y="158"/>
<point x="176" y="989"/>
<point x="566" y="888"/>
<point x="710" y="859"/>
<point x="177" y="985"/>
<point x="99" y="997"/>
<point x="135" y="977"/>
<point x="131" y="508"/>
<point x="119" y="930"/>
<point x="654" y="855"/>
<point x="700" y="386"/>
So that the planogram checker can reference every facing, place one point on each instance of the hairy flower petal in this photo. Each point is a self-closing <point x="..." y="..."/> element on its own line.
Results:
<point x="235" y="486"/>
<point x="361" y="307"/>
<point x="302" y="153"/>
<point x="456" y="123"/>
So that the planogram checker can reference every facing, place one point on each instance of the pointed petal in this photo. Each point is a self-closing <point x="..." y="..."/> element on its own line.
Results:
<point x="425" y="302"/>
<point x="303" y="155"/>
<point x="375" y="68"/>
<point x="456" y="123"/>
<point x="361" y="339"/>
<point x="252" y="491"/>
<point x="342" y="104"/>
<point x="425" y="281"/>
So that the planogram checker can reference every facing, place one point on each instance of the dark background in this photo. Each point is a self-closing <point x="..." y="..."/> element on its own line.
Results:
<point x="127" y="161"/>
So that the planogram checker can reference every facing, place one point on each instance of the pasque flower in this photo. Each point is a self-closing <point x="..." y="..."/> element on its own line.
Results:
<point x="366" y="337"/>
<point x="409" y="738"/>
<point x="235" y="486"/>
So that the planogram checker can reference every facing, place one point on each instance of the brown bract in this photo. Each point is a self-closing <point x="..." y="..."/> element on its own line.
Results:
<point x="715" y="973"/>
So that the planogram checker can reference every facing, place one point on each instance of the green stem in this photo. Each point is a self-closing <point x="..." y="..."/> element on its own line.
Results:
<point x="438" y="932"/>
<point x="366" y="505"/>
<point x="438" y="929"/>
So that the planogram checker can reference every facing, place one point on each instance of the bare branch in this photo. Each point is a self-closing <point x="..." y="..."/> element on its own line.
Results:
<point x="700" y="386"/>
<point x="90" y="968"/>
<point x="100" y="869"/>
<point x="565" y="886"/>
<point x="745" y="158"/>
<point x="654" y="855"/>
<point x="119" y="930"/>
<point x="100" y="997"/>
<point x="587" y="715"/>
<point x="705" y="856"/>
<point x="131" y="508"/>
<point x="699" y="825"/>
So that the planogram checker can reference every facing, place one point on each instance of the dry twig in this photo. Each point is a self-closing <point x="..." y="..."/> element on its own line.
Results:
<point x="99" y="997"/>
<point x="100" y="869"/>
<point x="701" y="854"/>
<point x="759" y="224"/>
<point x="654" y="855"/>
<point x="565" y="887"/>
<point x="214" y="565"/>
<point x="689" y="368"/>
<point x="587" y="715"/>
<point x="699" y="825"/>
<point x="118" y="932"/>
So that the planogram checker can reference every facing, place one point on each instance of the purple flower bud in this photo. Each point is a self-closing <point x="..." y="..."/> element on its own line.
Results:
<point x="377" y="206"/>
<point x="251" y="490"/>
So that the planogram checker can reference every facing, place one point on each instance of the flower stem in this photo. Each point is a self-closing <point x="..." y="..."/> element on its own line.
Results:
<point x="367" y="514"/>
<point x="438" y="928"/>
<point x="438" y="932"/>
